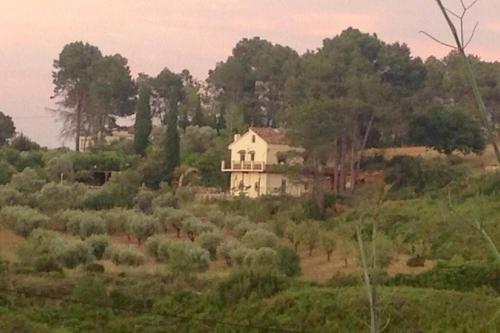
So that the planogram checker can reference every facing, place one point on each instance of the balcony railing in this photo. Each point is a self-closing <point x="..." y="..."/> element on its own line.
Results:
<point x="243" y="166"/>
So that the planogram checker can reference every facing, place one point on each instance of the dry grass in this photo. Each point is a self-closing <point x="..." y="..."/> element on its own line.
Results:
<point x="9" y="242"/>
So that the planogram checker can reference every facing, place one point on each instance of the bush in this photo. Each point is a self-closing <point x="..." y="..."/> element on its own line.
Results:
<point x="53" y="197"/>
<point x="238" y="255"/>
<point x="232" y="221"/>
<point x="165" y="200"/>
<point x="242" y="228"/>
<point x="27" y="181"/>
<point x="262" y="259"/>
<point x="6" y="172"/>
<point x="225" y="248"/>
<point x="309" y="234"/>
<point x="176" y="220"/>
<point x="186" y="258"/>
<point x="288" y="261"/>
<point x="90" y="289"/>
<point x="249" y="285"/>
<point x="115" y="219"/>
<point x="58" y="165"/>
<point x="42" y="250"/>
<point x="142" y="226"/>
<point x="98" y="245"/>
<point x="209" y="241"/>
<point x="76" y="253"/>
<point x="144" y="200"/>
<point x="22" y="220"/>
<point x="124" y="255"/>
<point x="12" y="197"/>
<point x="155" y="246"/>
<point x="163" y="215"/>
<point x="255" y="239"/>
<point x="192" y="227"/>
<point x="83" y="224"/>
<point x="465" y="277"/>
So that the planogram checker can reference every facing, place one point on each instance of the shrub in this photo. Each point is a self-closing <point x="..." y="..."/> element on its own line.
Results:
<point x="155" y="246"/>
<point x="209" y="241"/>
<point x="225" y="248"/>
<point x="124" y="255"/>
<point x="256" y="239"/>
<point x="6" y="172"/>
<point x="58" y="165"/>
<point x="98" y="245"/>
<point x="53" y="197"/>
<point x="288" y="261"/>
<point x="186" y="258"/>
<point x="142" y="226"/>
<point x="238" y="255"/>
<point x="83" y="224"/>
<point x="144" y="200"/>
<point x="90" y="289"/>
<point x="163" y="216"/>
<point x="216" y="217"/>
<point x="76" y="253"/>
<point x="115" y="219"/>
<point x="176" y="220"/>
<point x="22" y="220"/>
<point x="242" y="228"/>
<point x="262" y="259"/>
<point x="27" y="181"/>
<point x="232" y="221"/>
<point x="165" y="200"/>
<point x="94" y="268"/>
<point x="192" y="227"/>
<point x="42" y="250"/>
<point x="249" y="285"/>
<point x="12" y="197"/>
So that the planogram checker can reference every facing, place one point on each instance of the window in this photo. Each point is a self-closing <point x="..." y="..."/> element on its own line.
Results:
<point x="252" y="156"/>
<point x="253" y="138"/>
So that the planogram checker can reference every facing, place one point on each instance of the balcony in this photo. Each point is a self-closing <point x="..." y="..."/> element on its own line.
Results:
<point x="243" y="166"/>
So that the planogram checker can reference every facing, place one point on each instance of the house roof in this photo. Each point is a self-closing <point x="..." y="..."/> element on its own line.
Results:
<point x="274" y="136"/>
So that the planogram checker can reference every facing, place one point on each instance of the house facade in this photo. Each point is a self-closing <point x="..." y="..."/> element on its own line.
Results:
<point x="258" y="162"/>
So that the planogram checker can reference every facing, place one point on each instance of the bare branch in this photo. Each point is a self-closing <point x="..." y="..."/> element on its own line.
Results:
<point x="437" y="40"/>
<point x="472" y="35"/>
<point x="473" y="3"/>
<point x="463" y="5"/>
<point x="453" y="13"/>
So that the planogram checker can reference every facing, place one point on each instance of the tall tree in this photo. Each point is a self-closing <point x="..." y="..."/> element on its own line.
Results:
<point x="254" y="77"/>
<point x="169" y="88"/>
<point x="7" y="128"/>
<point x="72" y="77"/>
<point x="112" y="93"/>
<point x="143" y="122"/>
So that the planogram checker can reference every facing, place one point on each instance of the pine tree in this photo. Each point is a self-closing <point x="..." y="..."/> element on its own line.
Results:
<point x="143" y="124"/>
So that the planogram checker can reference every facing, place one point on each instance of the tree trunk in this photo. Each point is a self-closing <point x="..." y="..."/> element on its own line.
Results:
<point x="178" y="231"/>
<point x="78" y="125"/>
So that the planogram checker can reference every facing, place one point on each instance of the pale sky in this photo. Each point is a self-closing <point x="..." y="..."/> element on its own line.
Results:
<point x="195" y="34"/>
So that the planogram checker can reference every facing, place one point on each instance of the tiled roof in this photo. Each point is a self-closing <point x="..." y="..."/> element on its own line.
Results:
<point x="274" y="136"/>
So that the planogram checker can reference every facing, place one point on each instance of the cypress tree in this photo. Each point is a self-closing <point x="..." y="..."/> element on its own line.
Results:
<point x="172" y="144"/>
<point x="198" y="119"/>
<point x="143" y="124"/>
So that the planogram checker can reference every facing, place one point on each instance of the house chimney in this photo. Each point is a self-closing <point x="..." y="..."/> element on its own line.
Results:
<point x="236" y="137"/>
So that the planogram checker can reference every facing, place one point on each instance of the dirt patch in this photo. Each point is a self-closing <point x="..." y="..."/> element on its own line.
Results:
<point x="9" y="242"/>
<point x="399" y="266"/>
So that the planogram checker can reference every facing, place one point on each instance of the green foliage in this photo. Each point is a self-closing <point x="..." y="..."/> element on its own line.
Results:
<point x="7" y="128"/>
<point x="76" y="252"/>
<point x="124" y="255"/>
<point x="156" y="247"/>
<point x="309" y="234"/>
<point x="22" y="143"/>
<point x="328" y="242"/>
<point x="242" y="228"/>
<point x="418" y="174"/>
<point x="193" y="227"/>
<point x="256" y="239"/>
<point x="81" y="223"/>
<point x="42" y="250"/>
<point x="27" y="181"/>
<point x="186" y="258"/>
<point x="12" y="197"/>
<point x="115" y="219"/>
<point x="53" y="197"/>
<point x="225" y="248"/>
<point x="90" y="289"/>
<point x="144" y="200"/>
<point x="210" y="241"/>
<point x="62" y="164"/>
<point x="249" y="284"/>
<point x="288" y="261"/>
<point x="22" y="220"/>
<point x="447" y="131"/>
<point x="141" y="226"/>
<point x="466" y="277"/>
<point x="6" y="172"/>
<point x="98" y="245"/>
<point x="143" y="124"/>
<point x="165" y="200"/>
<point x="263" y="258"/>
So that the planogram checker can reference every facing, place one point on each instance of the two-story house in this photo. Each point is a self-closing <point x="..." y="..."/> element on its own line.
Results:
<point x="257" y="163"/>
